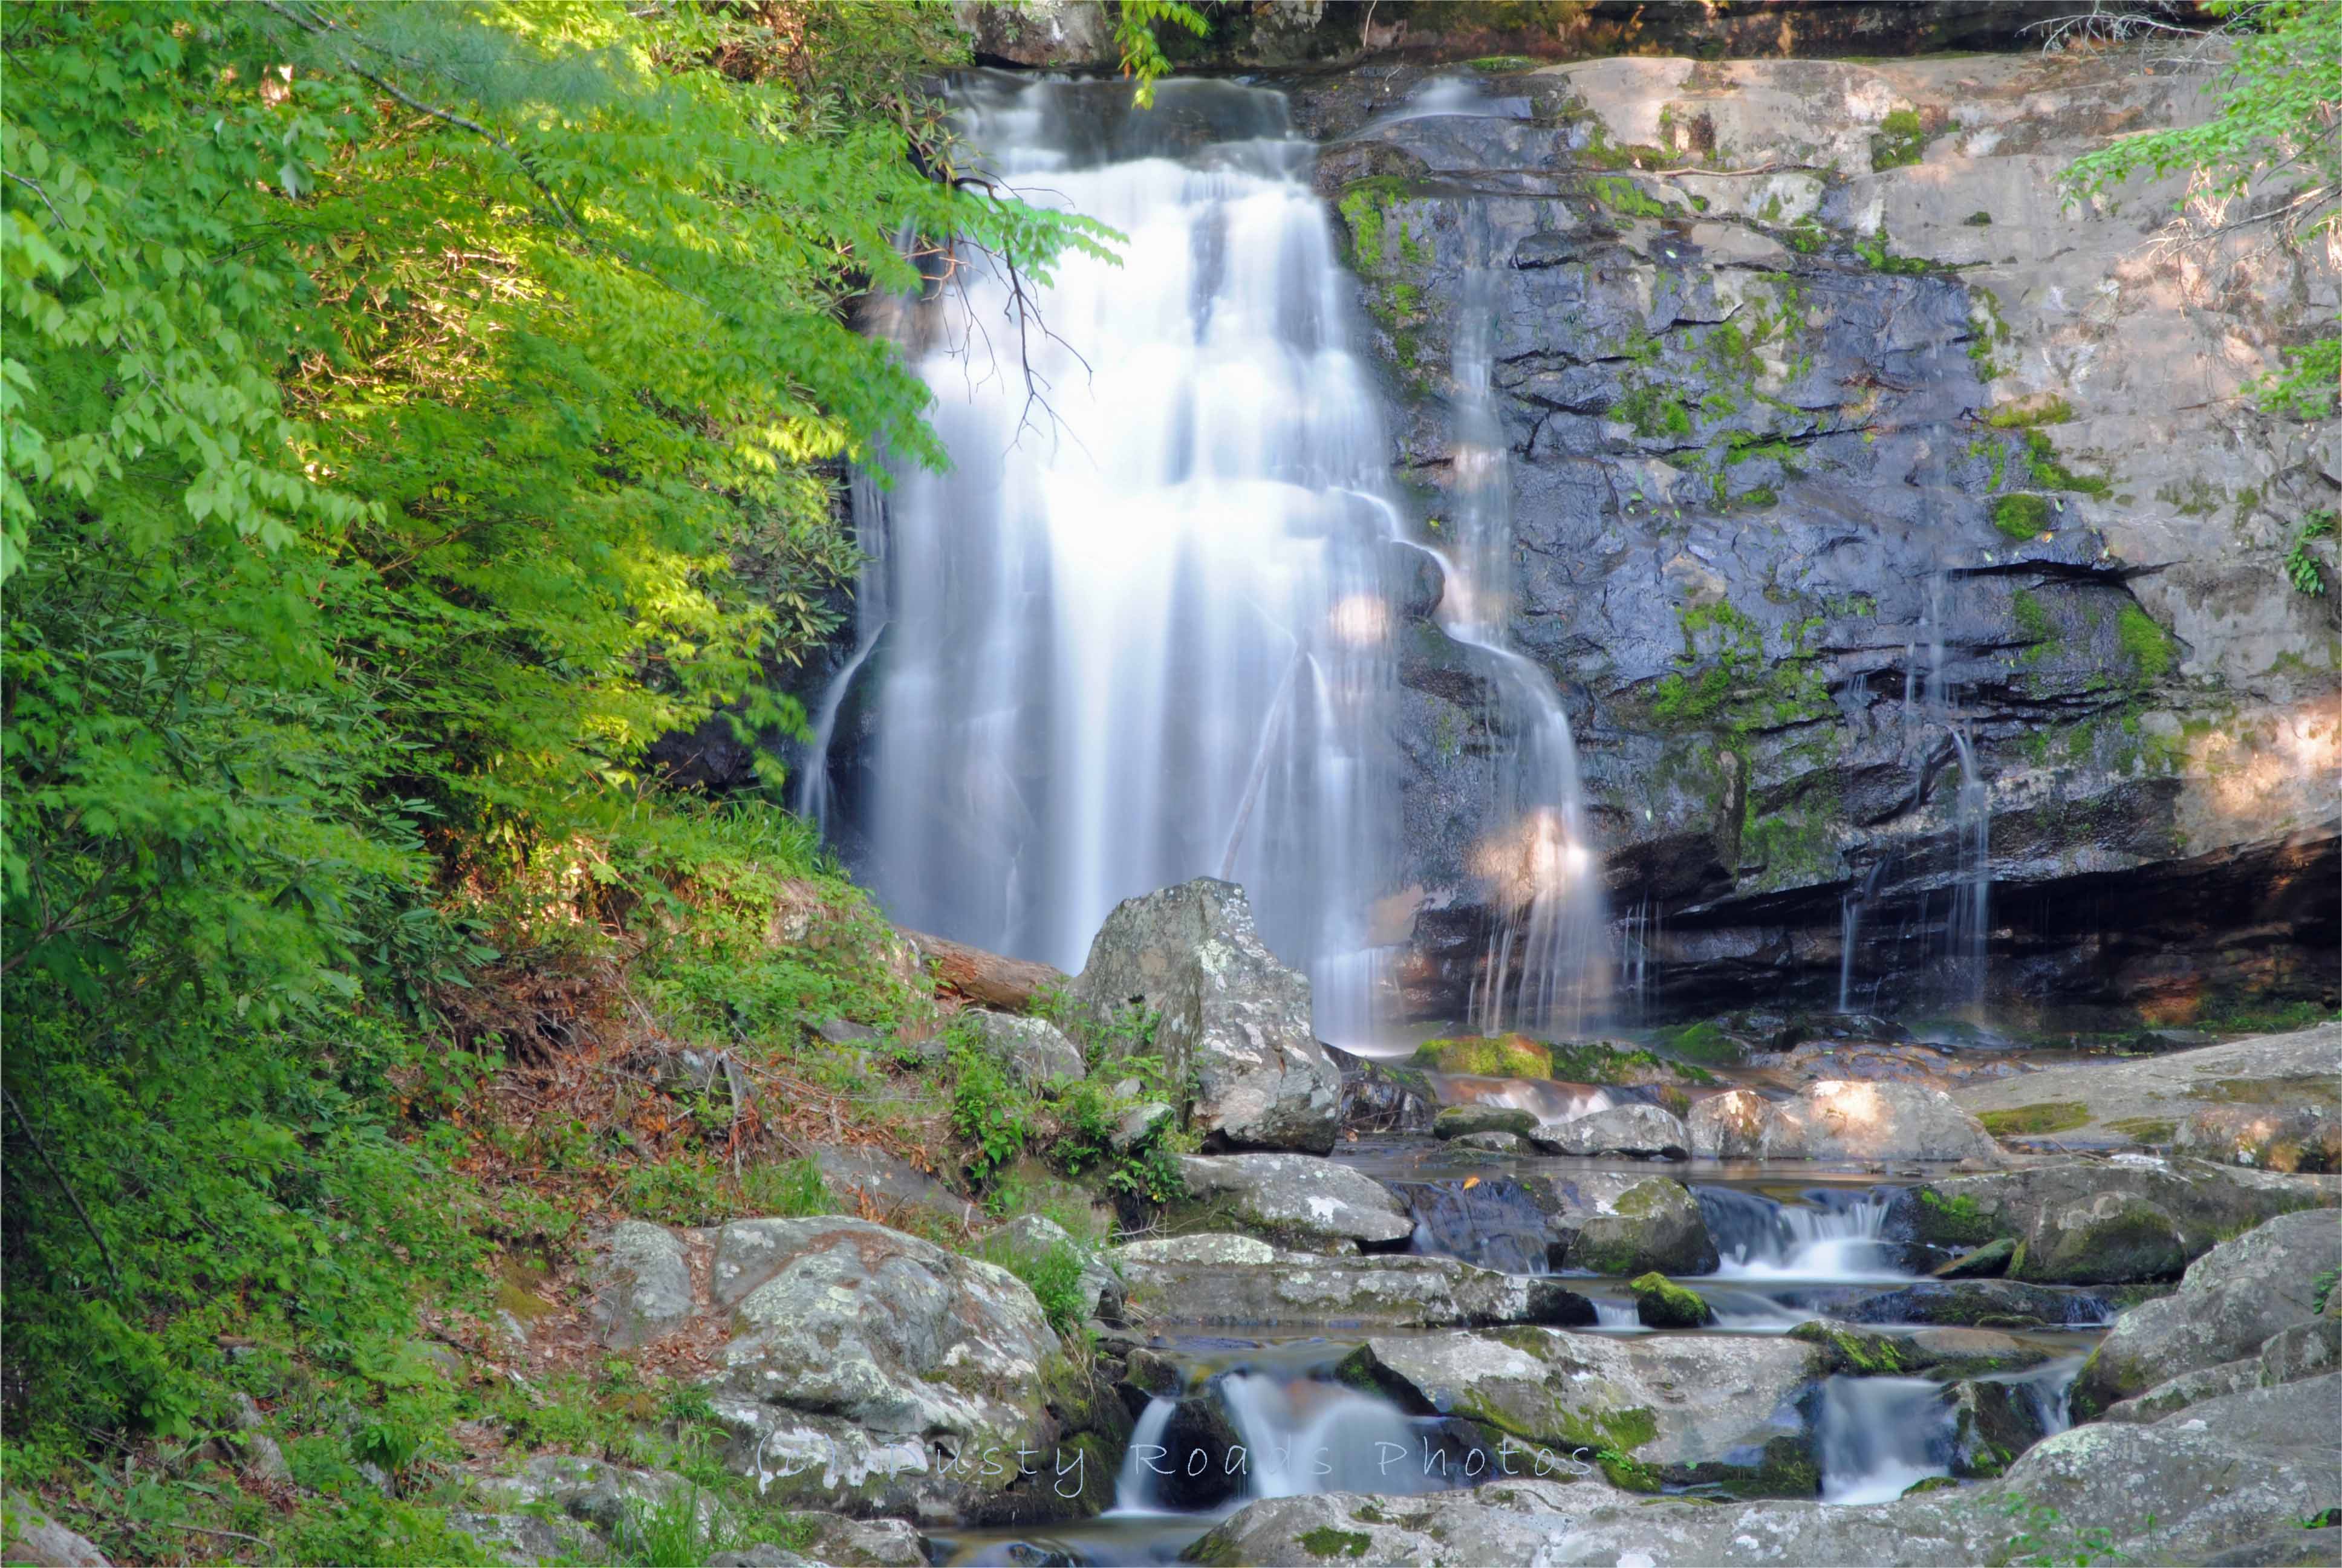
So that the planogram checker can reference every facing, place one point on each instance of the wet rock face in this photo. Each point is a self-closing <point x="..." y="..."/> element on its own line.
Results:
<point x="1773" y="466"/>
<point x="1228" y="1013"/>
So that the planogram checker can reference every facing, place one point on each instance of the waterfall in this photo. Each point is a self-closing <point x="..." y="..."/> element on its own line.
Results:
<point x="1135" y="1490"/>
<point x="1875" y="1436"/>
<point x="1835" y="1236"/>
<point x="1930" y="706"/>
<point x="1547" y="967"/>
<point x="1305" y="1434"/>
<point x="1138" y="633"/>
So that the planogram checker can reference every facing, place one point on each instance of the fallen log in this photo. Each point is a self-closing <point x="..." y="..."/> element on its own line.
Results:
<point x="986" y="979"/>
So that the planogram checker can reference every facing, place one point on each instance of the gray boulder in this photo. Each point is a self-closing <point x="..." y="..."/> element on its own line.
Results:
<point x="870" y="1371"/>
<point x="1230" y="1018"/>
<point x="642" y="1286"/>
<point x="2273" y="1101"/>
<point x="1843" y="1119"/>
<point x="1241" y="1282"/>
<point x="2232" y="1300"/>
<point x="2305" y="1350"/>
<point x="1641" y="1130"/>
<point x="2175" y="1394"/>
<point x="2094" y="1222"/>
<point x="33" y="1537"/>
<point x="1729" y="1126"/>
<point x="1710" y="1405"/>
<point x="2300" y="1137"/>
<point x="1621" y="1223"/>
<point x="1035" y="1051"/>
<point x="1299" y="1201"/>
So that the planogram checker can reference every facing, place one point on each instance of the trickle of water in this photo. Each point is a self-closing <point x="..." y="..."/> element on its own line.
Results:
<point x="1612" y="1313"/>
<point x="1548" y="960"/>
<point x="1303" y="1436"/>
<point x="1875" y="1437"/>
<point x="1135" y="1488"/>
<point x="1835" y="1236"/>
<point x="1139" y="633"/>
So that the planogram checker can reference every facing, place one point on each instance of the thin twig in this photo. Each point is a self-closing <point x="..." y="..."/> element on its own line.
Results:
<point x="71" y="1196"/>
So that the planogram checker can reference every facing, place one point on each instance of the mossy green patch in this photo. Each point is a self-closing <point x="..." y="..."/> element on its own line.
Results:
<point x="1491" y="1056"/>
<point x="1623" y="196"/>
<point x="2148" y="645"/>
<point x="1595" y="1062"/>
<point x="1956" y="1221"/>
<point x="2145" y="1129"/>
<point x="1326" y="1541"/>
<point x="1703" y="1043"/>
<point x="2049" y="1116"/>
<point x="1851" y="1350"/>
<point x="1900" y="139"/>
<point x="2021" y="516"/>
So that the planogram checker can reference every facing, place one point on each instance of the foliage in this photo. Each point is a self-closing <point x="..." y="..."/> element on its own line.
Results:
<point x="2270" y="155"/>
<point x="990" y="1111"/>
<point x="2146" y="645"/>
<point x="1143" y="59"/>
<point x="2021" y="516"/>
<point x="2278" y="92"/>
<point x="411" y="412"/>
<point x="2302" y="568"/>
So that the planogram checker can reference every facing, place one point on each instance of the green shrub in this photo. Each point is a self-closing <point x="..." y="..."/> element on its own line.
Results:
<point x="2021" y="516"/>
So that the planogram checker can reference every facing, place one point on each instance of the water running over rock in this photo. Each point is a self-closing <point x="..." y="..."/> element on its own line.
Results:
<point x="1141" y="631"/>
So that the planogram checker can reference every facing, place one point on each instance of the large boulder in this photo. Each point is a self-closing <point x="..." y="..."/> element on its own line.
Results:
<point x="31" y="1536"/>
<point x="1979" y="1303"/>
<point x="1229" y="1018"/>
<point x="1843" y="1119"/>
<point x="1729" y="1126"/>
<point x="1645" y="1132"/>
<point x="1242" y="1282"/>
<point x="641" y="1282"/>
<point x="2272" y="1101"/>
<point x="2094" y="1222"/>
<point x="868" y="1371"/>
<point x="1300" y="1200"/>
<point x="1641" y="1408"/>
<point x="1625" y="1224"/>
<point x="1381" y="1097"/>
<point x="2233" y="1300"/>
<point x="2225" y="1474"/>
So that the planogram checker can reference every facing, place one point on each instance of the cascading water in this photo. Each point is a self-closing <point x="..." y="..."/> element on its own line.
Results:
<point x="1875" y="1437"/>
<point x="1930" y="706"/>
<point x="1294" y="1435"/>
<point x="1138" y="633"/>
<point x="1548" y="964"/>
<point x="1837" y="1235"/>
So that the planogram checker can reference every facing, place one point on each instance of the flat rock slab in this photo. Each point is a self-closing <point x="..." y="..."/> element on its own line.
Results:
<point x="2147" y="1102"/>
<point x="1241" y="1282"/>
<point x="1303" y="1200"/>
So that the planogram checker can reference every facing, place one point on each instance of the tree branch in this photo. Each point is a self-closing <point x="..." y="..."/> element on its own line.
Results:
<point x="71" y="1196"/>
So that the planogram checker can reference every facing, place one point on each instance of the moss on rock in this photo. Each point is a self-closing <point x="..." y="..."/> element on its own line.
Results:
<point x="1660" y="1303"/>
<point x="1493" y="1056"/>
<point x="2050" y="1116"/>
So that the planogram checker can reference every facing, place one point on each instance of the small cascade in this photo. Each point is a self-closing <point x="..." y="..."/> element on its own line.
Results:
<point x="1931" y="707"/>
<point x="1135" y="1487"/>
<point x="1641" y="933"/>
<point x="1492" y="1223"/>
<point x="1305" y="1434"/>
<point x="1835" y="1236"/>
<point x="1546" y="1099"/>
<point x="1851" y="908"/>
<point x="1876" y="1436"/>
<point x="2049" y="1389"/>
<point x="1611" y="1313"/>
<point x="1548" y="962"/>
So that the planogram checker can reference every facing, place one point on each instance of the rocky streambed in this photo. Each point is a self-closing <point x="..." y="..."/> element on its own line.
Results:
<point x="1681" y="1316"/>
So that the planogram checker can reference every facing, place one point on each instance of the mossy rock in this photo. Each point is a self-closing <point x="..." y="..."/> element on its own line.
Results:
<point x="1704" y="1043"/>
<point x="1660" y="1303"/>
<point x="1623" y="1067"/>
<point x="1853" y="1351"/>
<point x="1786" y="1468"/>
<point x="1466" y="1121"/>
<point x="2032" y="1121"/>
<point x="1952" y="1222"/>
<point x="1487" y="1056"/>
<point x="1327" y="1542"/>
<point x="1989" y="1261"/>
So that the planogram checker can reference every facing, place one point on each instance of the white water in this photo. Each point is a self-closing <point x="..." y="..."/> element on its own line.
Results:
<point x="1876" y="1436"/>
<point x="1297" y="1436"/>
<point x="1759" y="1239"/>
<point x="1549" y="966"/>
<point x="1931" y="706"/>
<point x="1138" y="633"/>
